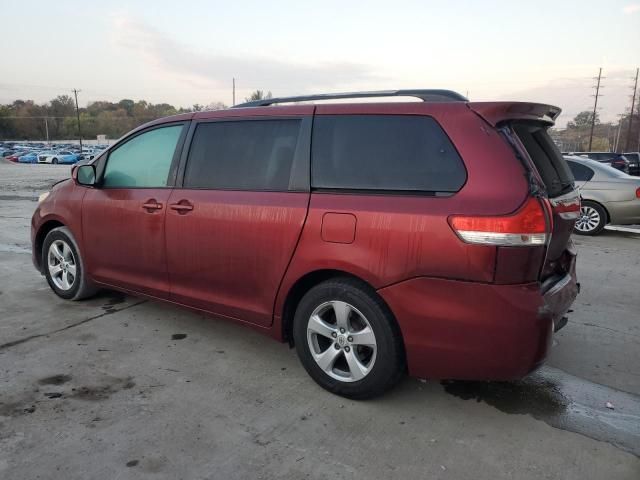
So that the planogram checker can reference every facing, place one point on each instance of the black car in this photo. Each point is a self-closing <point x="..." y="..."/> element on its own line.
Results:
<point x="634" y="162"/>
<point x="616" y="160"/>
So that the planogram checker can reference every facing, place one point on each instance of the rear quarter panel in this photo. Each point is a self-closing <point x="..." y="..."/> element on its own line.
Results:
<point x="404" y="236"/>
<point x="617" y="197"/>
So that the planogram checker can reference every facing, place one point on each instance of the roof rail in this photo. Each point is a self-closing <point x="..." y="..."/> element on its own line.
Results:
<point x="427" y="95"/>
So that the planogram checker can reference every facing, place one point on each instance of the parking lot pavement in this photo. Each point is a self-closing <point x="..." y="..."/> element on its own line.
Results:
<point x="103" y="389"/>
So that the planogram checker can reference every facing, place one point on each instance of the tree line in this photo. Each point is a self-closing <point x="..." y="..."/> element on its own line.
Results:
<point x="607" y="136"/>
<point x="27" y="120"/>
<point x="57" y="120"/>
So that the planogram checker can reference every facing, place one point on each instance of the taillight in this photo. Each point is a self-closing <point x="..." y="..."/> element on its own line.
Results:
<point x="638" y="192"/>
<point x="526" y="227"/>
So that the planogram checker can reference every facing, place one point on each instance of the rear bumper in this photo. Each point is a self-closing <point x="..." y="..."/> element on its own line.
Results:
<point x="474" y="331"/>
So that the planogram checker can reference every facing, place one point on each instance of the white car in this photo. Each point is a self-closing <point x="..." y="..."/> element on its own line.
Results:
<point x="61" y="156"/>
<point x="89" y="154"/>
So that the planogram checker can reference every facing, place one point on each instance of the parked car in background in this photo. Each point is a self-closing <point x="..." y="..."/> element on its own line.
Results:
<point x="7" y="152"/>
<point x="31" y="157"/>
<point x="634" y="162"/>
<point x="616" y="160"/>
<point x="608" y="195"/>
<point x="62" y="156"/>
<point x="431" y="236"/>
<point x="89" y="154"/>
<point x="13" y="157"/>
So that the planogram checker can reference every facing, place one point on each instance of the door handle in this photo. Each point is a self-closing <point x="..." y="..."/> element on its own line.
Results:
<point x="152" y="205"/>
<point x="182" y="207"/>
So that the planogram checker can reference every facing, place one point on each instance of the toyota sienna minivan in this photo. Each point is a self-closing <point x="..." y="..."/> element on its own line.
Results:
<point x="377" y="238"/>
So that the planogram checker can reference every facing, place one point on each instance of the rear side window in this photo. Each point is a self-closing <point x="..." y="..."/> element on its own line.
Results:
<point x="384" y="152"/>
<point x="581" y="173"/>
<point x="546" y="157"/>
<point x="242" y="155"/>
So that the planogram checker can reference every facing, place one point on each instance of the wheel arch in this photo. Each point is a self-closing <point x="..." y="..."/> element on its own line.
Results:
<point x="305" y="283"/>
<point x="44" y="229"/>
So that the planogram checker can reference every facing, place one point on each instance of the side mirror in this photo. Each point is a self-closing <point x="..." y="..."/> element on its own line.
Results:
<point x="84" y="175"/>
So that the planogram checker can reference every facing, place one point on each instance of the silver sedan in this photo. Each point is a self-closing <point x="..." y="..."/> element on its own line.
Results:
<point x="608" y="195"/>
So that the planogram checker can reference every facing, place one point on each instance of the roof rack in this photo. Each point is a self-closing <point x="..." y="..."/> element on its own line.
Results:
<point x="426" y="95"/>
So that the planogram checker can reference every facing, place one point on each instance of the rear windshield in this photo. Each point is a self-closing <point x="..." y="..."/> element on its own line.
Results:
<point x="546" y="157"/>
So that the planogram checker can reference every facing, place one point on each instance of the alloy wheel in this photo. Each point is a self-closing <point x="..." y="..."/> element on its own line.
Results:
<point x="62" y="265"/>
<point x="341" y="341"/>
<point x="589" y="219"/>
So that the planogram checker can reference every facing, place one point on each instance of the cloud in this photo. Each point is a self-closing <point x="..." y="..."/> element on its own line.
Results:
<point x="574" y="95"/>
<point x="631" y="8"/>
<point x="207" y="69"/>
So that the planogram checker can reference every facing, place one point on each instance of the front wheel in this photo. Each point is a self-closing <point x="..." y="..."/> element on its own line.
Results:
<point x="592" y="220"/>
<point x="54" y="161"/>
<point x="64" y="267"/>
<point x="348" y="340"/>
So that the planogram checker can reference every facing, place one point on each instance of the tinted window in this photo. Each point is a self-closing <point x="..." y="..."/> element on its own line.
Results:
<point x="581" y="173"/>
<point x="143" y="161"/>
<point x="242" y="155"/>
<point x="390" y="152"/>
<point x="553" y="169"/>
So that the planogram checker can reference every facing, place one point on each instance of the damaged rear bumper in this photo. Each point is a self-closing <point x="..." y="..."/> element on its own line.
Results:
<point x="477" y="331"/>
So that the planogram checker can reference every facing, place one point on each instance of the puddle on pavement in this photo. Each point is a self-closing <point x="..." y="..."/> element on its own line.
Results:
<point x="55" y="380"/>
<point x="563" y="401"/>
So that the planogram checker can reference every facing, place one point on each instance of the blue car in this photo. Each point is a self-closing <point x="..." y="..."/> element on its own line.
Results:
<point x="31" y="157"/>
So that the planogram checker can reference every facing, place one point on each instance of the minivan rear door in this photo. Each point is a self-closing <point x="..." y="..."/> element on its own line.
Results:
<point x="525" y="127"/>
<point x="234" y="219"/>
<point x="536" y="146"/>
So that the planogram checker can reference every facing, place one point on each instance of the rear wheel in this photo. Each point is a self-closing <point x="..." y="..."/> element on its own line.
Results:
<point x="592" y="220"/>
<point x="348" y="340"/>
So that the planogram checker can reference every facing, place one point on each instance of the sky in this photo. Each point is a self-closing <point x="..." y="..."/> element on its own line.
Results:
<point x="186" y="52"/>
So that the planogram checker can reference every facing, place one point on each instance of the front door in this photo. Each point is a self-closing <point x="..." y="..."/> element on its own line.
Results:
<point x="233" y="227"/>
<point x="123" y="218"/>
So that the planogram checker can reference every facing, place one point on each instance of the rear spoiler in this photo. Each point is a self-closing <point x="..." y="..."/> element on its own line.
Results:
<point x="498" y="112"/>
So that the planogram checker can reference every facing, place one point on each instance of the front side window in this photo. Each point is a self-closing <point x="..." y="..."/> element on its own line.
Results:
<point x="384" y="152"/>
<point x="242" y="155"/>
<point x="144" y="161"/>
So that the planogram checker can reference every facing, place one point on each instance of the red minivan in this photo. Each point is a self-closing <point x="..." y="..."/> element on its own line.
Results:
<point x="377" y="238"/>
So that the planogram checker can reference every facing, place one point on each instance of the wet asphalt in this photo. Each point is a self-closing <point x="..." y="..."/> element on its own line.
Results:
<point x="143" y="388"/>
<point x="563" y="401"/>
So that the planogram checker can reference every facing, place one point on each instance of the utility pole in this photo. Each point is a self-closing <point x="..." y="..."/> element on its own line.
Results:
<point x="234" y="92"/>
<point x="633" y="104"/>
<point x="595" y="106"/>
<point x="75" y="92"/>
<point x="617" y="142"/>
<point x="46" y="128"/>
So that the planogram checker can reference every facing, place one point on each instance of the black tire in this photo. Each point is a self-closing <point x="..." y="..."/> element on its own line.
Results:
<point x="389" y="363"/>
<point x="585" y="224"/>
<point x="80" y="287"/>
<point x="54" y="161"/>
